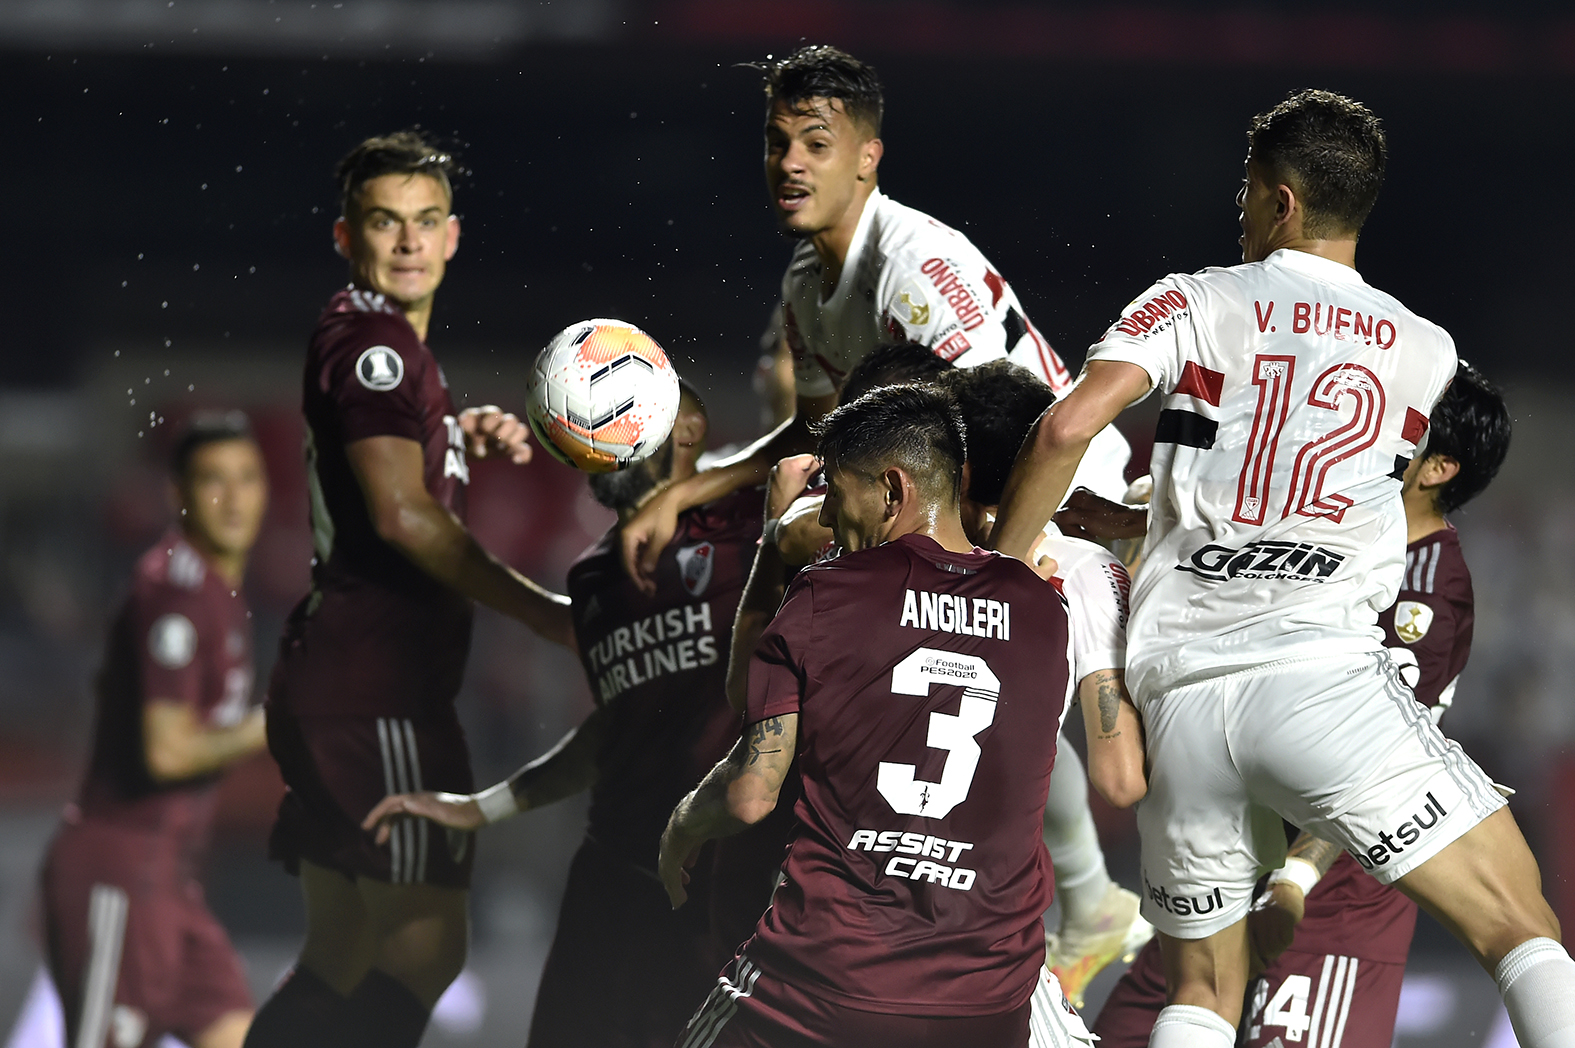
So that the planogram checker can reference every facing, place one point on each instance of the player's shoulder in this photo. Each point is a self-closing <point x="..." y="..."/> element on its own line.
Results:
<point x="803" y="270"/>
<point x="907" y="238"/>
<point x="171" y="568"/>
<point x="366" y="328"/>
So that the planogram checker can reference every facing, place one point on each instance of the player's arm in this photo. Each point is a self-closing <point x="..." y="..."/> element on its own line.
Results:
<point x="177" y="746"/>
<point x="649" y="531"/>
<point x="1271" y="924"/>
<point x="1115" y="738"/>
<point x="1043" y="471"/>
<point x="740" y="791"/>
<point x="390" y="471"/>
<point x="568" y="768"/>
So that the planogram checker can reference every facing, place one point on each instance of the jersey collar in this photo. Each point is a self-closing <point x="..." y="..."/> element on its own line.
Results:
<point x="1315" y="266"/>
<point x="861" y="235"/>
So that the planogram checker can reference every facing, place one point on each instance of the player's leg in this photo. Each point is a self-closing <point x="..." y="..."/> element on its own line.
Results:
<point x="227" y="1031"/>
<point x="1127" y="1017"/>
<point x="1099" y="918"/>
<point x="421" y="933"/>
<point x="1485" y="888"/>
<point x="311" y="1007"/>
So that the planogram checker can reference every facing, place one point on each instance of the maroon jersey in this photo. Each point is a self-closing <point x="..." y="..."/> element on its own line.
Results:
<point x="379" y="636"/>
<point x="929" y="686"/>
<point x="658" y="666"/>
<point x="183" y="635"/>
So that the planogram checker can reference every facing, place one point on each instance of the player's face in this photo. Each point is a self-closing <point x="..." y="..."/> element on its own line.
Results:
<point x="856" y="509"/>
<point x="1259" y="203"/>
<point x="401" y="238"/>
<point x="224" y="495"/>
<point x="815" y="159"/>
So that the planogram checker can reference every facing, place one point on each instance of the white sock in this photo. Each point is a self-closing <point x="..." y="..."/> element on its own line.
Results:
<point x="1188" y="1026"/>
<point x="1080" y="876"/>
<point x="1537" y="979"/>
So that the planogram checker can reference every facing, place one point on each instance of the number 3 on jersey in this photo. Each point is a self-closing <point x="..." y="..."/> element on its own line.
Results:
<point x="953" y="733"/>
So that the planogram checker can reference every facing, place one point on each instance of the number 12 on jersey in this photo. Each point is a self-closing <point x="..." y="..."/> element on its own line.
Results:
<point x="1342" y="383"/>
<point x="953" y="733"/>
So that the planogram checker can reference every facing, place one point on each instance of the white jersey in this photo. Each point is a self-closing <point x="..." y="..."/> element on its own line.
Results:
<point x="1097" y="590"/>
<point x="1294" y="396"/>
<point x="910" y="278"/>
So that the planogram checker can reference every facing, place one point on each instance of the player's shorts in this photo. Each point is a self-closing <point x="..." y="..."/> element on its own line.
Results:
<point x="1323" y="1001"/>
<point x="748" y="1008"/>
<point x="338" y="768"/>
<point x="1338" y="746"/>
<point x="132" y="948"/>
<point x="617" y="929"/>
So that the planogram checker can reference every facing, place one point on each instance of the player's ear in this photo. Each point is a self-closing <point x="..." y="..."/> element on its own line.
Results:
<point x="342" y="238"/>
<point x="897" y="488"/>
<point x="1286" y="205"/>
<point x="451" y="244"/>
<point x="967" y="481"/>
<point x="869" y="158"/>
<point x="1437" y="470"/>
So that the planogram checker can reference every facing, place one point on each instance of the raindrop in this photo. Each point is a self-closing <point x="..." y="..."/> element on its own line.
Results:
<point x="191" y="387"/>
<point x="164" y="305"/>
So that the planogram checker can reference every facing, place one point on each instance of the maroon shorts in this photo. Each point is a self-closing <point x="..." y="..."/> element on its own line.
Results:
<point x="338" y="768"/>
<point x="617" y="929"/>
<point x="1323" y="1001"/>
<point x="747" y="1008"/>
<point x="1320" y="1000"/>
<point x="133" y="950"/>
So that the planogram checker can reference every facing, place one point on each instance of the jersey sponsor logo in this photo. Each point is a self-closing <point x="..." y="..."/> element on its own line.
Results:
<point x="694" y="567"/>
<point x="454" y="464"/>
<point x="950" y="613"/>
<point x="953" y="347"/>
<point x="956" y="293"/>
<point x="1264" y="560"/>
<point x="912" y="307"/>
<point x="1406" y="834"/>
<point x="913" y="854"/>
<point x="172" y="641"/>
<point x="674" y="641"/>
<point x="1158" y="311"/>
<point x="1412" y="620"/>
<point x="1184" y="905"/>
<point x="379" y="368"/>
<point x="1121" y="587"/>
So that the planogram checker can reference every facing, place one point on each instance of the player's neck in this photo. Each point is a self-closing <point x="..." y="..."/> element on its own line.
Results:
<point x="940" y="523"/>
<point x="231" y="567"/>
<point x="1421" y="525"/>
<point x="832" y="245"/>
<point x="419" y="315"/>
<point x="1341" y="251"/>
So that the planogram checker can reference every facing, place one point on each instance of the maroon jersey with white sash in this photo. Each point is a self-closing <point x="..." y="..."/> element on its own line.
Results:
<point x="929" y="685"/>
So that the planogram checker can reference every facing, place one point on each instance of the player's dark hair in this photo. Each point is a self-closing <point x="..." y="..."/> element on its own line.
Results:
<point x="1000" y="402"/>
<point x="203" y="428"/>
<point x="821" y="71"/>
<point x="915" y="427"/>
<point x="898" y="364"/>
<point x="1331" y="150"/>
<point x="1470" y="425"/>
<point x="401" y="153"/>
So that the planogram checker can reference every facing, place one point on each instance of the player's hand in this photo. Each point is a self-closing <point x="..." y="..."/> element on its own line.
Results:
<point x="789" y="478"/>
<point x="1045" y="567"/>
<point x="1088" y="516"/>
<point x="489" y="428"/>
<point x="674" y="861"/>
<point x="644" y="537"/>
<point x="1271" y="924"/>
<point x="800" y="536"/>
<point x="457" y="811"/>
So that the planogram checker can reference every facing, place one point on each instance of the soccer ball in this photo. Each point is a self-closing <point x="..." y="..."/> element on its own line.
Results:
<point x="602" y="396"/>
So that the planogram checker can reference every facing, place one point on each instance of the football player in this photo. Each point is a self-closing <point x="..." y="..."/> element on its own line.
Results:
<point x="132" y="947"/>
<point x="361" y="703"/>
<point x="1295" y="396"/>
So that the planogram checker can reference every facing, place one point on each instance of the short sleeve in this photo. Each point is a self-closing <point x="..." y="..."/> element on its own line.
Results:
<point x="1098" y="589"/>
<point x="170" y="650"/>
<point x="1154" y="332"/>
<point x="373" y="378"/>
<point x="776" y="671"/>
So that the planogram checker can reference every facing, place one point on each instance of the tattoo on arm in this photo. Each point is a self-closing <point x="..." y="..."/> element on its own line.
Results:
<point x="1320" y="853"/>
<point x="764" y="734"/>
<point x="1109" y="688"/>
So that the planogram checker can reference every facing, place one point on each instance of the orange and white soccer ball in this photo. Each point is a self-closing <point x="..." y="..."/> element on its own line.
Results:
<point x="602" y="396"/>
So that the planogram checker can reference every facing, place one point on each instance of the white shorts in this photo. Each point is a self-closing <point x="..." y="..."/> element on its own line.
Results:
<point x="1052" y="1022"/>
<point x="1338" y="746"/>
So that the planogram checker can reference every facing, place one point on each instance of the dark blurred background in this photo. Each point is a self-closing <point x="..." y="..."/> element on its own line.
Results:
<point x="167" y="177"/>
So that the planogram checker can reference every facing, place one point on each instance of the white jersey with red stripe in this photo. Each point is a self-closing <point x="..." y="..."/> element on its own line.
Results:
<point x="1097" y="590"/>
<point x="910" y="278"/>
<point x="1294" y="394"/>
